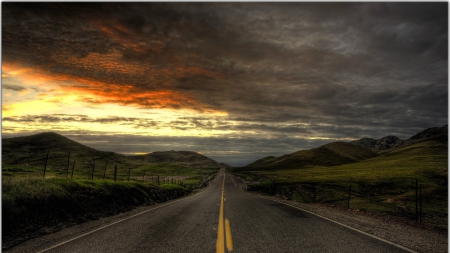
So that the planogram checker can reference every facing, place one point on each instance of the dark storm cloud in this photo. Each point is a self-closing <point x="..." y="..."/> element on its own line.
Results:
<point x="59" y="118"/>
<point x="233" y="151"/>
<point x="343" y="69"/>
<point x="13" y="87"/>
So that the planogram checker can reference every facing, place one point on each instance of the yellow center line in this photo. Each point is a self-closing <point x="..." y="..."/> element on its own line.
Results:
<point x="220" y="245"/>
<point x="228" y="232"/>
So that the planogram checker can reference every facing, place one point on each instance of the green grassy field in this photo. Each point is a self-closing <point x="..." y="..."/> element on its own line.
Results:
<point x="146" y="172"/>
<point x="385" y="184"/>
<point x="30" y="202"/>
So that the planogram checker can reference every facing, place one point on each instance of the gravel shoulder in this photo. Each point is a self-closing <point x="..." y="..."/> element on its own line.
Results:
<point x="407" y="234"/>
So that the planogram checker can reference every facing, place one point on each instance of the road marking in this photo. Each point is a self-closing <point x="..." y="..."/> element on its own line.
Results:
<point x="354" y="229"/>
<point x="146" y="211"/>
<point x="220" y="245"/>
<point x="228" y="233"/>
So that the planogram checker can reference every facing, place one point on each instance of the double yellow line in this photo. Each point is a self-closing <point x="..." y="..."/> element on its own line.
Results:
<point x="220" y="245"/>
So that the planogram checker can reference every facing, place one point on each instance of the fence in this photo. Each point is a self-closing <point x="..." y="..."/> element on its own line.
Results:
<point x="423" y="202"/>
<point x="59" y="164"/>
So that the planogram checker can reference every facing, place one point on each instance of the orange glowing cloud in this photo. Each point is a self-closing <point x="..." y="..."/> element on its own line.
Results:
<point x="119" y="33"/>
<point x="91" y="91"/>
<point x="198" y="71"/>
<point x="104" y="62"/>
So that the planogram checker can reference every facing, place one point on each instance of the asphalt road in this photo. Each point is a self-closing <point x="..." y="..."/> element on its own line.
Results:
<point x="221" y="218"/>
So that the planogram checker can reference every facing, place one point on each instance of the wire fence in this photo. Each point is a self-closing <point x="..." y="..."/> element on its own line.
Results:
<point x="423" y="202"/>
<point x="61" y="165"/>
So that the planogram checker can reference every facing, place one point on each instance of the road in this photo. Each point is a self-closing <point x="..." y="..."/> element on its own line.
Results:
<point x="221" y="218"/>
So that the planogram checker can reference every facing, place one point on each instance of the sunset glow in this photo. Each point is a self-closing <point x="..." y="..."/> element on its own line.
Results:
<point x="241" y="80"/>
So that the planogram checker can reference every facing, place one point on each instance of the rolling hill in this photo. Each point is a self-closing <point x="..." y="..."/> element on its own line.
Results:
<point x="183" y="158"/>
<point x="32" y="151"/>
<point x="430" y="141"/>
<point x="380" y="144"/>
<point x="331" y="154"/>
<point x="389" y="142"/>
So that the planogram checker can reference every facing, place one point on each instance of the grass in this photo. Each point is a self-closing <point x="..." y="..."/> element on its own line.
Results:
<point x="30" y="204"/>
<point x="164" y="170"/>
<point x="385" y="184"/>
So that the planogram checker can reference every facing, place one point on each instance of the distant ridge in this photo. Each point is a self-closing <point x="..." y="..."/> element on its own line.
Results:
<point x="390" y="142"/>
<point x="337" y="153"/>
<point x="31" y="150"/>
<point x="261" y="161"/>
<point x="430" y="132"/>
<point x="184" y="158"/>
<point x="380" y="144"/>
<point x="331" y="154"/>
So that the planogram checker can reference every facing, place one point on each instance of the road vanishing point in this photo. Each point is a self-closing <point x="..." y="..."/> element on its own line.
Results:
<point x="221" y="218"/>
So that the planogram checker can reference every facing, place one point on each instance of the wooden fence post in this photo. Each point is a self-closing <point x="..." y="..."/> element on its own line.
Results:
<point x="104" y="173"/>
<point x="73" y="168"/>
<point x="129" y="173"/>
<point x="68" y="164"/>
<point x="45" y="167"/>
<point x="93" y="168"/>
<point x="115" y="172"/>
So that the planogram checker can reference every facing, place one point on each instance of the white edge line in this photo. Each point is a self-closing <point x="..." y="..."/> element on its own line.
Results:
<point x="346" y="226"/>
<point x="95" y="230"/>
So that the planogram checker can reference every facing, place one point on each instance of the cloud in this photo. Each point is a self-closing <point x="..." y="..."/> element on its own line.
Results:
<point x="330" y="70"/>
<point x="13" y="87"/>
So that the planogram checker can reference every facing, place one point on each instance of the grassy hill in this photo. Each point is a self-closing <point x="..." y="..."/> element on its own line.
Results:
<point x="31" y="202"/>
<point x="384" y="183"/>
<point x="331" y="154"/>
<point x="261" y="162"/>
<point x="27" y="156"/>
<point x="390" y="142"/>
<point x="184" y="158"/>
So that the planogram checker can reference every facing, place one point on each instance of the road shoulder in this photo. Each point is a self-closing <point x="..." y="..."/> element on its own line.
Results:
<point x="421" y="239"/>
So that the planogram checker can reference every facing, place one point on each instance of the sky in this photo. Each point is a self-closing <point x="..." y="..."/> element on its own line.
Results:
<point x="233" y="81"/>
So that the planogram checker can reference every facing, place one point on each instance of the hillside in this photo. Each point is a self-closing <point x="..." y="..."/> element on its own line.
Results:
<point x="335" y="153"/>
<point x="389" y="142"/>
<point x="261" y="161"/>
<point x="183" y="158"/>
<point x="431" y="140"/>
<point x="380" y="144"/>
<point x="430" y="145"/>
<point x="430" y="132"/>
<point x="31" y="151"/>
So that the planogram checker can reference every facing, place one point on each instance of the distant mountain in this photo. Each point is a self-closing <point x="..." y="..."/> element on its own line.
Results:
<point x="380" y="144"/>
<point x="335" y="153"/>
<point x="32" y="151"/>
<point x="261" y="161"/>
<point x="390" y="142"/>
<point x="184" y="158"/>
<point x="433" y="140"/>
<point x="430" y="132"/>
<point x="429" y="146"/>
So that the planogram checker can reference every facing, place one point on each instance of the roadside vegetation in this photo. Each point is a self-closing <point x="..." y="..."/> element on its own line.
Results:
<point x="32" y="204"/>
<point x="384" y="185"/>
